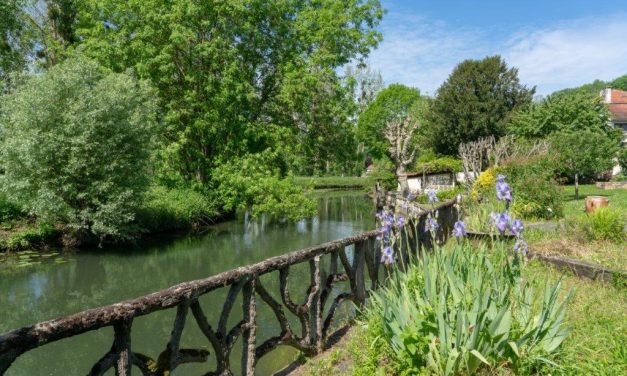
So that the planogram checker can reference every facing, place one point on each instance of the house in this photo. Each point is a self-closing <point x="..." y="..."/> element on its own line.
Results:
<point x="617" y="103"/>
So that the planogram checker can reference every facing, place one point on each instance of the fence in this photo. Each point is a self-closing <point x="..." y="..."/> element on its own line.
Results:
<point x="359" y="266"/>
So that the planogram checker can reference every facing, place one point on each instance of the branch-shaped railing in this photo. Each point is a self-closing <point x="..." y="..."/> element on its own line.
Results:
<point x="315" y="315"/>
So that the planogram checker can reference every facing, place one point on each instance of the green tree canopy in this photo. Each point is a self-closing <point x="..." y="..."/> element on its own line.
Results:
<point x="231" y="75"/>
<point x="76" y="146"/>
<point x="565" y="111"/>
<point x="475" y="101"/>
<point x="584" y="152"/>
<point x="392" y="103"/>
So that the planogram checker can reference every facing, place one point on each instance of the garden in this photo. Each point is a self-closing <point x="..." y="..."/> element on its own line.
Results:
<point x="478" y="304"/>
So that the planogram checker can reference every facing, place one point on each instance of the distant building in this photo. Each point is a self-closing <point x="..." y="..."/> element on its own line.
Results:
<point x="617" y="103"/>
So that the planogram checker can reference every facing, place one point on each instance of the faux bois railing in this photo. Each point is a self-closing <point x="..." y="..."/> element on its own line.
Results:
<point x="355" y="260"/>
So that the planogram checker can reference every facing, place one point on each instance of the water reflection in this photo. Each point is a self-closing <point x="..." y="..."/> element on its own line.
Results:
<point x="94" y="278"/>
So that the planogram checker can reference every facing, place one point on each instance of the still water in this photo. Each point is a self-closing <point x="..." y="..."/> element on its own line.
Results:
<point x="73" y="282"/>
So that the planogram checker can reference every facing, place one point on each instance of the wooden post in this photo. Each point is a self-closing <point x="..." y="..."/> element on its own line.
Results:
<point x="359" y="257"/>
<point x="249" y="339"/>
<point x="122" y="344"/>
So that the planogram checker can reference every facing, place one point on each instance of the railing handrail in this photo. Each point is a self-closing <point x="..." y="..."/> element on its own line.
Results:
<point x="52" y="330"/>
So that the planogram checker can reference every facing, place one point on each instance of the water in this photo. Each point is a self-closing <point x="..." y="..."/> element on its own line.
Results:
<point x="68" y="283"/>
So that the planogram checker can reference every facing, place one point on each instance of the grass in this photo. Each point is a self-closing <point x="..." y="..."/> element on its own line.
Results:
<point x="334" y="182"/>
<point x="571" y="239"/>
<point x="597" y="344"/>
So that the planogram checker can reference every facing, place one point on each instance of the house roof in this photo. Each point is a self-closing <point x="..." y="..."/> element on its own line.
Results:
<point x="618" y="105"/>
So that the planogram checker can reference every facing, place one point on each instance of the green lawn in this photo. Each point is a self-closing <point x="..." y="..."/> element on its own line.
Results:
<point x="570" y="241"/>
<point x="597" y="344"/>
<point x="334" y="182"/>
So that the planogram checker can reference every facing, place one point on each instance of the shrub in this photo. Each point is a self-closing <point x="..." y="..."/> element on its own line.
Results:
<point x="9" y="210"/>
<point x="484" y="185"/>
<point x="443" y="164"/>
<point x="41" y="233"/>
<point x="537" y="195"/>
<point x="76" y="145"/>
<point x="460" y="309"/>
<point x="443" y="195"/>
<point x="177" y="208"/>
<point x="604" y="224"/>
<point x="622" y="160"/>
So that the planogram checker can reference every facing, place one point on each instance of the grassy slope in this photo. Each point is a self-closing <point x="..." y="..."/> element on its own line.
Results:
<point x="597" y="344"/>
<point x="572" y="244"/>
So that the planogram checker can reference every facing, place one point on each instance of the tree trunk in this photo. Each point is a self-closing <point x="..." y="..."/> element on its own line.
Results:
<point x="576" y="186"/>
<point x="402" y="179"/>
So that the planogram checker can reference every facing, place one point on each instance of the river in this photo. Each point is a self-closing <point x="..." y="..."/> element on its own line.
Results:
<point x="66" y="283"/>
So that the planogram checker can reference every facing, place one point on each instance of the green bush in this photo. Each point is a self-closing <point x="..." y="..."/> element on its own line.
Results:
<point x="76" y="145"/>
<point x="41" y="233"/>
<point x="604" y="224"/>
<point x="9" y="210"/>
<point x="461" y="309"/>
<point x="443" y="195"/>
<point x="170" y="209"/>
<point x="622" y="160"/>
<point x="536" y="194"/>
<point x="443" y="164"/>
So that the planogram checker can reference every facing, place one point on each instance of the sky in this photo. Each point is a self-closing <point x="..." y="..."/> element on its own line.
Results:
<point x="555" y="44"/>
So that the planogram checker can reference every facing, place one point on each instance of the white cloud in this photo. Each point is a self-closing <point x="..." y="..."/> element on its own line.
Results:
<point x="422" y="53"/>
<point x="570" y="54"/>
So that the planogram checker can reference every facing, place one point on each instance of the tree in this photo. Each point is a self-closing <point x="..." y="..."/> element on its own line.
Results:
<point x="566" y="111"/>
<point x="475" y="101"/>
<point x="366" y="84"/>
<point x="399" y="134"/>
<point x="619" y="83"/>
<point x="583" y="152"/>
<point x="392" y="104"/>
<point x="14" y="40"/>
<point x="225" y="71"/>
<point x="76" y="146"/>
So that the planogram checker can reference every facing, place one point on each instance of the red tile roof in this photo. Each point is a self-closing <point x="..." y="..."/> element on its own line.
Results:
<point x="618" y="105"/>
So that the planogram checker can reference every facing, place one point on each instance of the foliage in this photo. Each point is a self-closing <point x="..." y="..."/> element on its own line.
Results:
<point x="442" y="164"/>
<point x="247" y="184"/>
<point x="383" y="173"/>
<point x="29" y="237"/>
<point x="475" y="101"/>
<point x="562" y="112"/>
<point x="76" y="145"/>
<point x="237" y="78"/>
<point x="367" y="84"/>
<point x="334" y="182"/>
<point x="619" y="83"/>
<point x="461" y="309"/>
<point x="622" y="160"/>
<point x="442" y="195"/>
<point x="391" y="104"/>
<point x="175" y="208"/>
<point x="9" y="210"/>
<point x="605" y="224"/>
<point x="594" y="88"/>
<point x="584" y="152"/>
<point x="537" y="194"/>
<point x="13" y="37"/>
<point x="484" y="183"/>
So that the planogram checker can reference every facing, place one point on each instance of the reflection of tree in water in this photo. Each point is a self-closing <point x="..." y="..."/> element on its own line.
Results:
<point x="97" y="278"/>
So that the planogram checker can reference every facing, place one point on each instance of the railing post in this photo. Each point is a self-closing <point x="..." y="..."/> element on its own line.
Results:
<point x="122" y="344"/>
<point x="359" y="258"/>
<point x="249" y="338"/>
<point x="315" y="310"/>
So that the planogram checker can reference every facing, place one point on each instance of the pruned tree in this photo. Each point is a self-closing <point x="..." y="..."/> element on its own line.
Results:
<point x="401" y="150"/>
<point x="474" y="157"/>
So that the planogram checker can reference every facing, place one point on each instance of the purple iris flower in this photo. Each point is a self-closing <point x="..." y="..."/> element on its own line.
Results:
<point x="459" y="229"/>
<point x="432" y="195"/>
<point x="503" y="191"/>
<point x="500" y="178"/>
<point x="410" y="197"/>
<point x="400" y="221"/>
<point x="501" y="221"/>
<point x="432" y="224"/>
<point x="517" y="227"/>
<point x="387" y="255"/>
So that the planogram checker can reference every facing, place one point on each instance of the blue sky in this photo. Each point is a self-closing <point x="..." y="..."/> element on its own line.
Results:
<point x="554" y="43"/>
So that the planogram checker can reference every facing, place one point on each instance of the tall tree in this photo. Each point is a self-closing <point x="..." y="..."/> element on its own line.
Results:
<point x="475" y="101"/>
<point x="563" y="111"/>
<point x="584" y="152"/>
<point x="14" y="41"/>
<point x="225" y="71"/>
<point x="391" y="104"/>
<point x="399" y="133"/>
